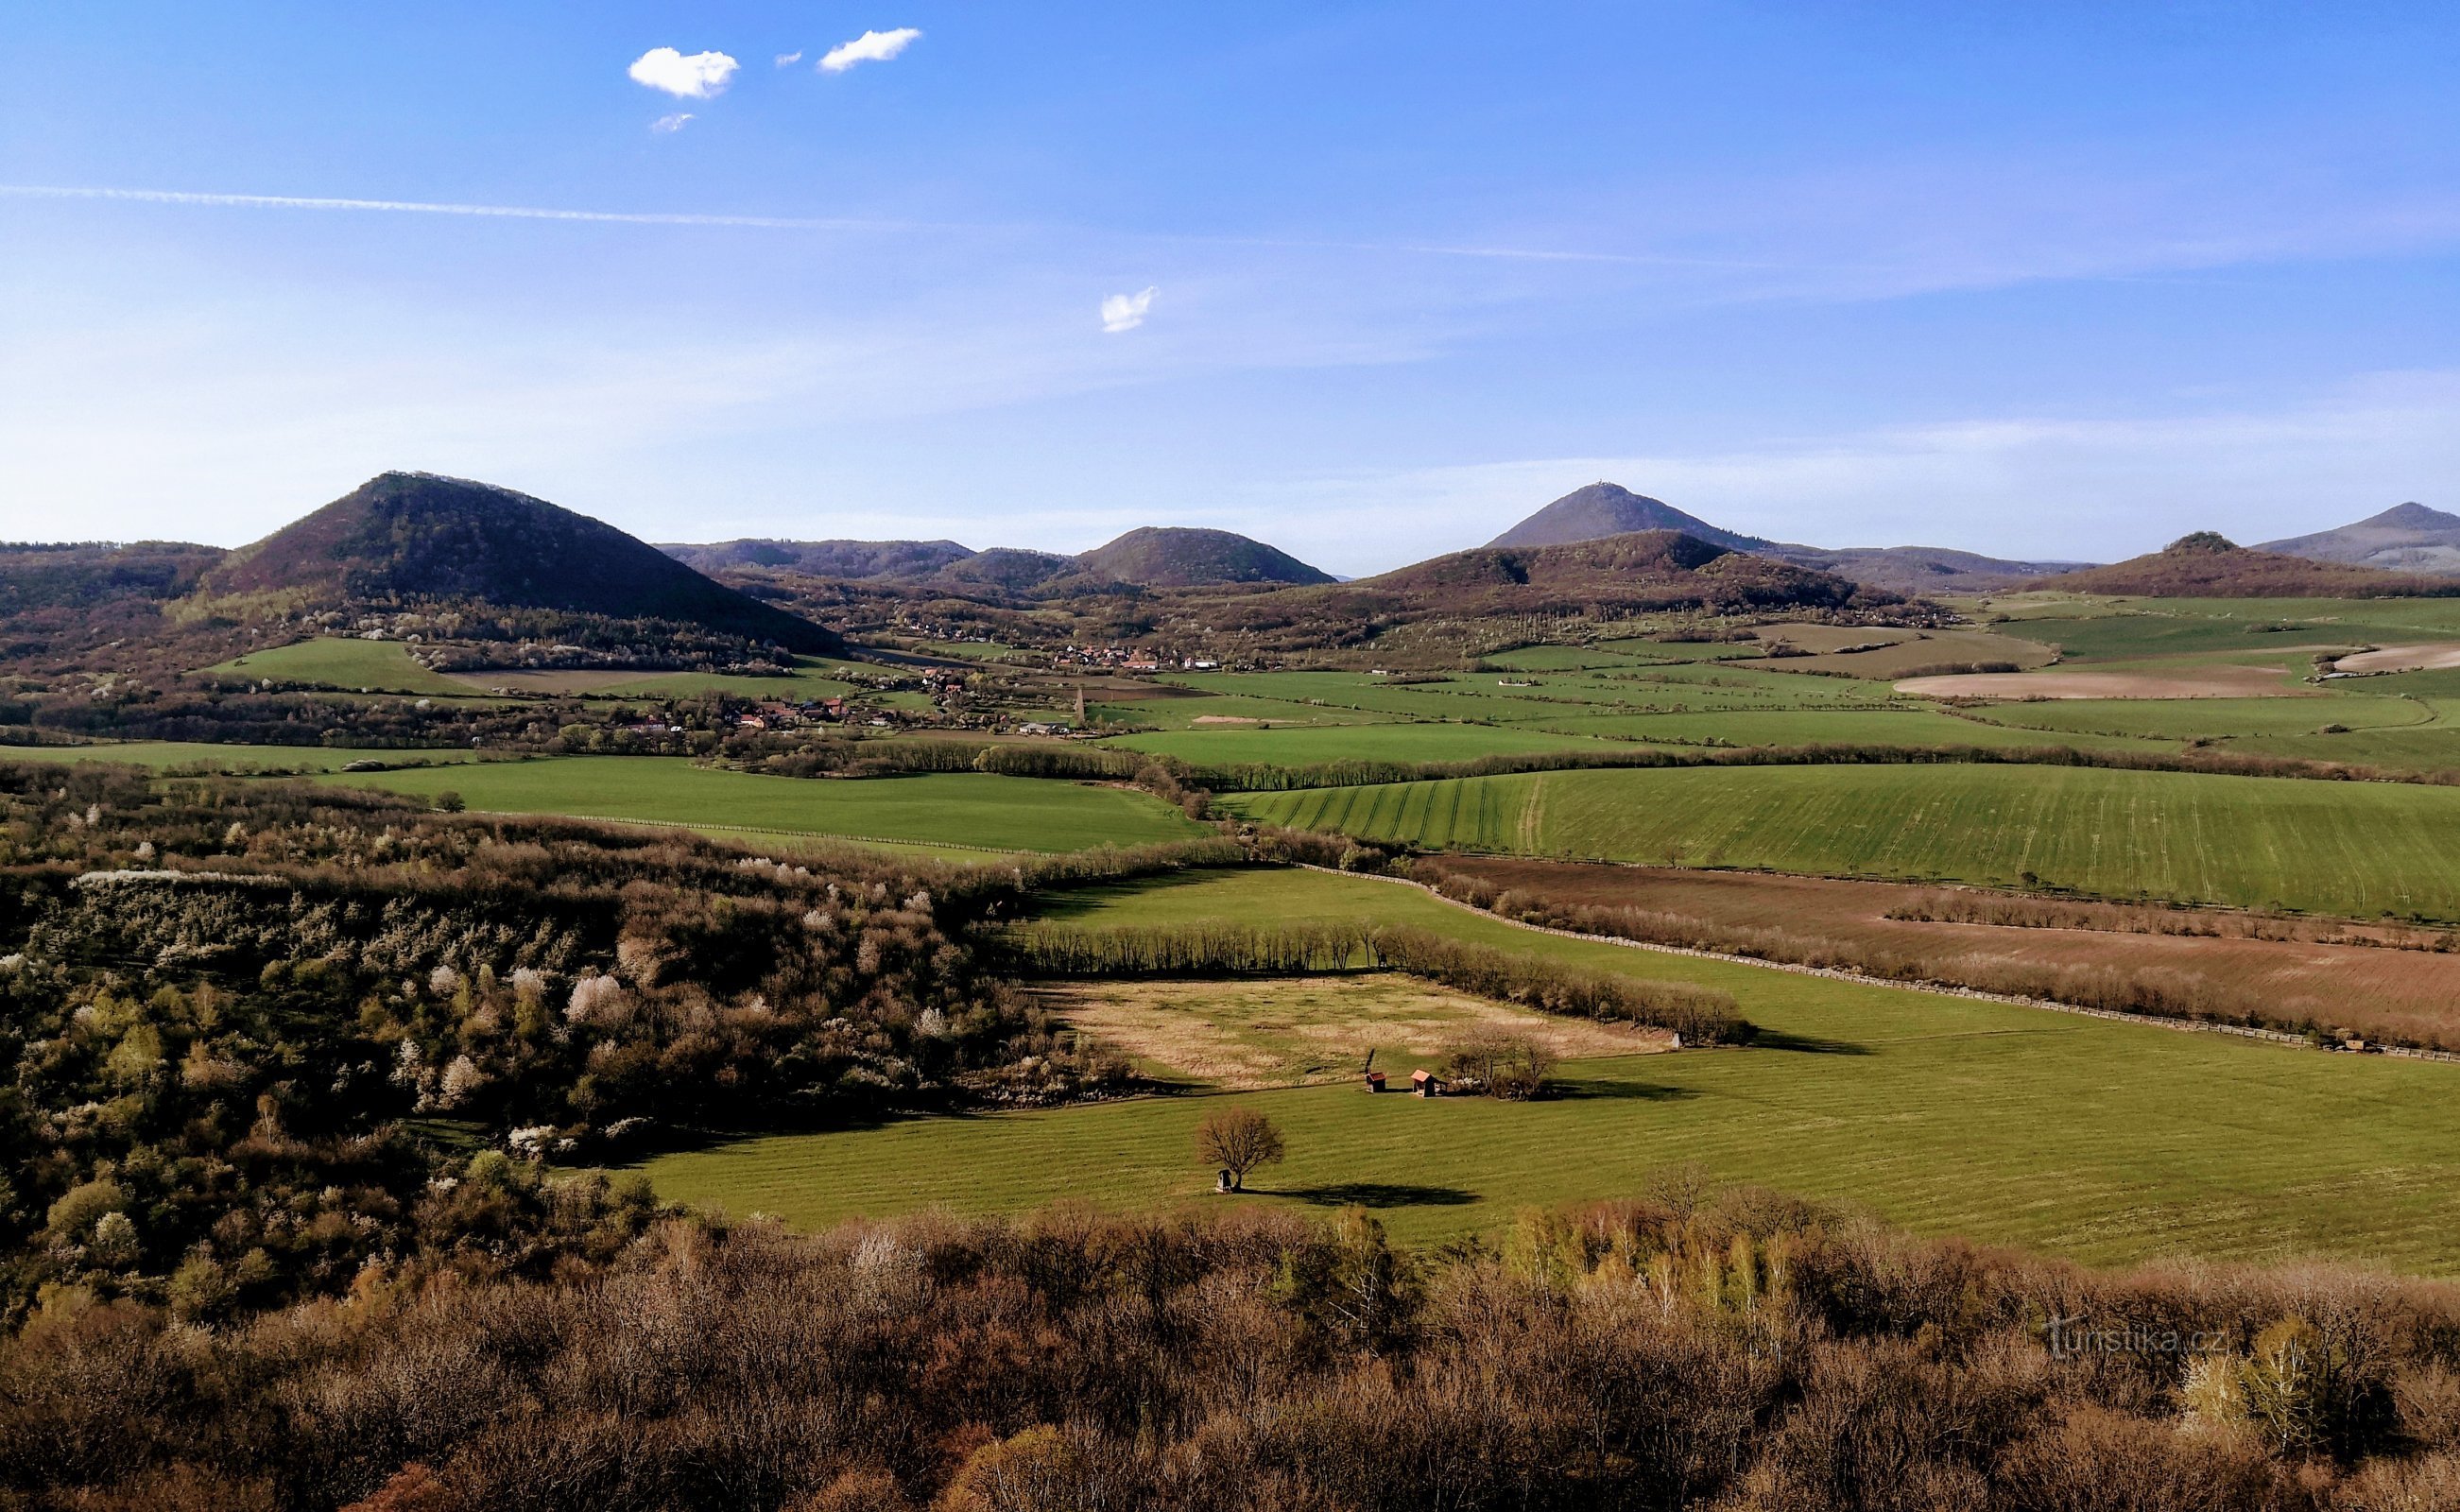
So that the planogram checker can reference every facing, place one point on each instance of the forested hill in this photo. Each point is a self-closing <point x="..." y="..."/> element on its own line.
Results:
<point x="1174" y="557"/>
<point x="2209" y="565"/>
<point x="415" y="538"/>
<point x="1648" y="568"/>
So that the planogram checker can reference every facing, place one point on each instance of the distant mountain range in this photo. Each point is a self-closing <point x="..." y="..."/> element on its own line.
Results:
<point x="2406" y="538"/>
<point x="1608" y="509"/>
<point x="2207" y="564"/>
<point x="1661" y="568"/>
<point x="1151" y="557"/>
<point x="404" y="540"/>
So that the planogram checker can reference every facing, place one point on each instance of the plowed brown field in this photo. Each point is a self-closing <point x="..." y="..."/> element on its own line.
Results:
<point x="2403" y="994"/>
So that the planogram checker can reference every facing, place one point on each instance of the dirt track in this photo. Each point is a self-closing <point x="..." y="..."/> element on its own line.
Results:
<point x="2203" y="682"/>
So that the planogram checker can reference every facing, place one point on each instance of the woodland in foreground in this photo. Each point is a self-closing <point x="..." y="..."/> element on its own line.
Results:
<point x="280" y="1064"/>
<point x="1734" y="1351"/>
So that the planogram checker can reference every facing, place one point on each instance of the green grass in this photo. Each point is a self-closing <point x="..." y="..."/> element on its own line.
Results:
<point x="1366" y="742"/>
<point x="2186" y="718"/>
<point x="794" y="687"/>
<point x="219" y="758"/>
<point x="1182" y="714"/>
<point x="2329" y="847"/>
<point x="2105" y="1142"/>
<point x="964" y="809"/>
<point x="352" y="665"/>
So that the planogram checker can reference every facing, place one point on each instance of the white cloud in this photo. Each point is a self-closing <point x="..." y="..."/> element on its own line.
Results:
<point x="670" y="124"/>
<point x="872" y="46"/>
<point x="1126" y="311"/>
<point x="703" y="76"/>
<point x="789" y="59"/>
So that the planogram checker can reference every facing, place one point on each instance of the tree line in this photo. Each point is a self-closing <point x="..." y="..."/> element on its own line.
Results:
<point x="1223" y="947"/>
<point x="2196" y="998"/>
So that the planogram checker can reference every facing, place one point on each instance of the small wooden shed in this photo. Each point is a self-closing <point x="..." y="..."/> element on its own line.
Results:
<point x="1425" y="1083"/>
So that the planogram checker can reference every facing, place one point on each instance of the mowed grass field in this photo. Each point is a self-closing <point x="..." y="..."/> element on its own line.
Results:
<point x="2105" y="1142"/>
<point x="235" y="758"/>
<point x="1303" y="745"/>
<point x="2350" y="848"/>
<point x="358" y="666"/>
<point x="953" y="809"/>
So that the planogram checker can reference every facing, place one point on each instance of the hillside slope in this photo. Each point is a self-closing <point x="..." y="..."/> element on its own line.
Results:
<point x="2208" y="565"/>
<point x="1921" y="569"/>
<point x="1610" y="509"/>
<point x="1648" y="569"/>
<point x="414" y="539"/>
<point x="1179" y="557"/>
<point x="896" y="560"/>
<point x="2405" y="538"/>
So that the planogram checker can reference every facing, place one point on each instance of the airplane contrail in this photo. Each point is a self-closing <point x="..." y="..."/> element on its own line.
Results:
<point x="781" y="222"/>
<point x="505" y="212"/>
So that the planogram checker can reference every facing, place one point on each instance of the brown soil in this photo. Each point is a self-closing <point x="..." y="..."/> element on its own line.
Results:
<point x="2400" y="659"/>
<point x="1897" y="653"/>
<point x="2202" y="682"/>
<point x="2406" y="994"/>
<point x="1280" y="1032"/>
<point x="1223" y="719"/>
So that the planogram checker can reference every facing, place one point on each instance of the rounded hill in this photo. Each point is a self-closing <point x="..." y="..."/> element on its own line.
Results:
<point x="1610" y="509"/>
<point x="1180" y="557"/>
<point x="2207" y="564"/>
<point x="415" y="538"/>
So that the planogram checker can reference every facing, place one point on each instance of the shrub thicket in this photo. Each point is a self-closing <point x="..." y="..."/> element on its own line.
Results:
<point x="1211" y="947"/>
<point x="1735" y="1351"/>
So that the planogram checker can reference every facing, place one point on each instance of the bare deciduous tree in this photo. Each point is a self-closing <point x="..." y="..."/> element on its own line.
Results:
<point x="1238" y="1141"/>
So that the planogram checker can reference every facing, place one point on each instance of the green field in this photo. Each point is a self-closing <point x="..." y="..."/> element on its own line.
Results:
<point x="357" y="665"/>
<point x="2105" y="1142"/>
<point x="956" y="809"/>
<point x="2357" y="849"/>
<point x="219" y="758"/>
<point x="1299" y="746"/>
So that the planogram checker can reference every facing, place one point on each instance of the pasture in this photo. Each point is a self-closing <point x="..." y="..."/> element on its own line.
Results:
<point x="946" y="809"/>
<point x="348" y="664"/>
<point x="200" y="756"/>
<point x="2104" y="1141"/>
<point x="1302" y="1031"/>
<point x="1301" y="745"/>
<point x="2353" y="849"/>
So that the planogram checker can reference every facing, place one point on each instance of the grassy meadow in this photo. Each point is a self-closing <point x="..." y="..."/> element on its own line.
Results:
<point x="346" y="663"/>
<point x="213" y="757"/>
<point x="947" y="809"/>
<point x="2358" y="849"/>
<point x="2100" y="1140"/>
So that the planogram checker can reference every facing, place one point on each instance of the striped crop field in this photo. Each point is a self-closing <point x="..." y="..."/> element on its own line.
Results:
<point x="2350" y="848"/>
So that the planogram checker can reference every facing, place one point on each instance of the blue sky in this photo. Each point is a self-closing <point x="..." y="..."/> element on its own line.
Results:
<point x="2057" y="281"/>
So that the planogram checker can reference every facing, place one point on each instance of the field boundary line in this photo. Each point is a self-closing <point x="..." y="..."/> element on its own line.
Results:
<point x="759" y="829"/>
<point x="1941" y="988"/>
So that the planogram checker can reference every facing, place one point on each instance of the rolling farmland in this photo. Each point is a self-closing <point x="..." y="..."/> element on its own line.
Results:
<point x="2356" y="849"/>
<point x="1942" y="1114"/>
<point x="964" y="808"/>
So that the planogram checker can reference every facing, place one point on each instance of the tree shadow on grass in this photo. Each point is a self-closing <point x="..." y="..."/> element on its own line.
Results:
<point x="1377" y="1194"/>
<point x="1616" y="1091"/>
<point x="1808" y="1044"/>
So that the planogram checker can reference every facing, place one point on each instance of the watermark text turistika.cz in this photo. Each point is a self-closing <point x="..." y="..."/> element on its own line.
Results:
<point x="2075" y="1337"/>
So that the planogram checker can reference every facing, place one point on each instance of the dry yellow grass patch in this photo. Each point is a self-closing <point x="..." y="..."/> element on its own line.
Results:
<point x="1286" y="1032"/>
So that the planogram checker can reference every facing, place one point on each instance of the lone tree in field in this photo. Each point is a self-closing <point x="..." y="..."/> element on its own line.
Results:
<point x="1235" y="1141"/>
